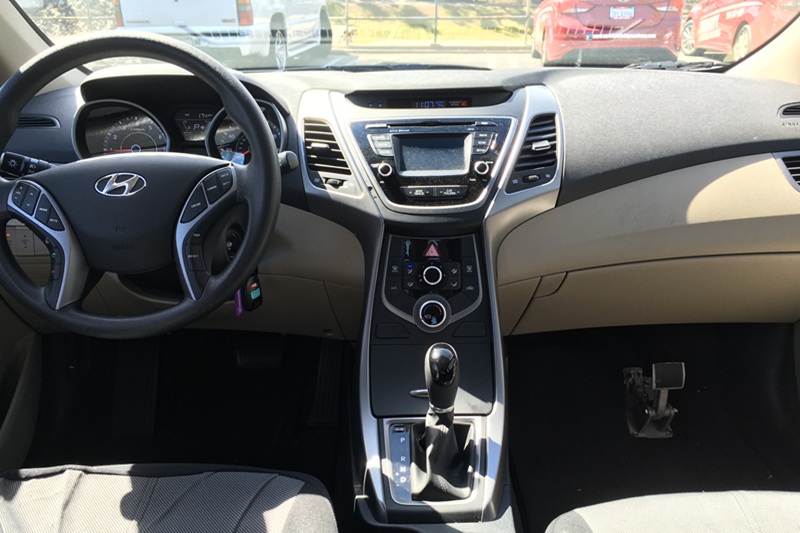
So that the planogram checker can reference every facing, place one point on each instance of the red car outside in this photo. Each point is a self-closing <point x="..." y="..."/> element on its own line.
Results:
<point x="597" y="32"/>
<point x="735" y="27"/>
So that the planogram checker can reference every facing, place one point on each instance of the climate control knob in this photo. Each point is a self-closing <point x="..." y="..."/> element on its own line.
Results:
<point x="385" y="170"/>
<point x="432" y="275"/>
<point x="432" y="314"/>
<point x="481" y="168"/>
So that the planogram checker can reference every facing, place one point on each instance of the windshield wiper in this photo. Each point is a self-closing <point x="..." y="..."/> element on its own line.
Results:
<point x="697" y="66"/>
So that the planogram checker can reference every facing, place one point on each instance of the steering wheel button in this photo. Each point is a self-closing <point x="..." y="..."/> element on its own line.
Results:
<point x="20" y="190"/>
<point x="212" y="187"/>
<point x="43" y="210"/>
<point x="54" y="222"/>
<point x="225" y="178"/>
<point x="197" y="204"/>
<point x="29" y="202"/>
<point x="194" y="258"/>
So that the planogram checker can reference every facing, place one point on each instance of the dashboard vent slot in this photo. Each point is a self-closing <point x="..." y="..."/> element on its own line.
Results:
<point x="323" y="154"/>
<point x="792" y="164"/>
<point x="37" y="121"/>
<point x="791" y="110"/>
<point x="539" y="149"/>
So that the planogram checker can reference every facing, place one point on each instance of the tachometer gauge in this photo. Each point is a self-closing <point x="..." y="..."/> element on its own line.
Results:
<point x="116" y="127"/>
<point x="134" y="132"/>
<point x="225" y="139"/>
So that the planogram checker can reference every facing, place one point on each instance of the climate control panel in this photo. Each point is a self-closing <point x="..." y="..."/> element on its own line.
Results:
<point x="431" y="282"/>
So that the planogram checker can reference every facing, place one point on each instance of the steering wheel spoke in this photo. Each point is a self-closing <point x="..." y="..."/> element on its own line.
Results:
<point x="213" y="195"/>
<point x="31" y="204"/>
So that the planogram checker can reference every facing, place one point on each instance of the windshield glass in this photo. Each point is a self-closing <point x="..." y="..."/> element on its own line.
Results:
<point x="367" y="34"/>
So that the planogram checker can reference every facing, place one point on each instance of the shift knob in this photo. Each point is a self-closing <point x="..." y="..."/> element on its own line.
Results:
<point x="441" y="377"/>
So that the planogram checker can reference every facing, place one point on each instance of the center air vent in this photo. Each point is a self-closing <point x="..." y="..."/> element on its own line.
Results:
<point x="538" y="157"/>
<point x="323" y="154"/>
<point x="792" y="164"/>
<point x="36" y="121"/>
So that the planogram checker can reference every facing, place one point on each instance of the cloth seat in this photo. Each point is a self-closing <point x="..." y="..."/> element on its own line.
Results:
<point x="162" y="498"/>
<point x="706" y="512"/>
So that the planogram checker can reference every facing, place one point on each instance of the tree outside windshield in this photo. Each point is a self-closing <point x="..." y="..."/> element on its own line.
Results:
<point x="284" y="34"/>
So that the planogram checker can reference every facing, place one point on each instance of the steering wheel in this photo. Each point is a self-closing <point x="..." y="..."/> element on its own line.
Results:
<point x="135" y="213"/>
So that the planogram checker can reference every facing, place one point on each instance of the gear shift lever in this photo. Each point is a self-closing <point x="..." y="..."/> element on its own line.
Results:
<point x="442" y="454"/>
<point x="441" y="377"/>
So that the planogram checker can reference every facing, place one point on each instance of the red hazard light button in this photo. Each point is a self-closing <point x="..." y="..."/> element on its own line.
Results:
<point x="432" y="252"/>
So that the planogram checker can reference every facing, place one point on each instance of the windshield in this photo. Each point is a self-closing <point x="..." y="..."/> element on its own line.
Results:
<point x="374" y="34"/>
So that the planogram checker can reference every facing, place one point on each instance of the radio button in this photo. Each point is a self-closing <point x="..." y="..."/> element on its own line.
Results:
<point x="385" y="170"/>
<point x="450" y="191"/>
<point x="481" y="168"/>
<point x="419" y="192"/>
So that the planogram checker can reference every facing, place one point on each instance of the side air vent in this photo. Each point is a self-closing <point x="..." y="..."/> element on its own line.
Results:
<point x="323" y="154"/>
<point x="791" y="110"/>
<point x="539" y="148"/>
<point x="538" y="157"/>
<point x="37" y="121"/>
<point x="792" y="164"/>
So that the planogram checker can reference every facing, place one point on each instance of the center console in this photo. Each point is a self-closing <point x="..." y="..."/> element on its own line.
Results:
<point x="434" y="181"/>
<point x="432" y="293"/>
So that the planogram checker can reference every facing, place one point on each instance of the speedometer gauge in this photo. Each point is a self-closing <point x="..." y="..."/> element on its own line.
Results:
<point x="225" y="139"/>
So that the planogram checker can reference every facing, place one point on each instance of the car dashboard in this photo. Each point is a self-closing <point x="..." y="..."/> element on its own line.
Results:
<point x="467" y="206"/>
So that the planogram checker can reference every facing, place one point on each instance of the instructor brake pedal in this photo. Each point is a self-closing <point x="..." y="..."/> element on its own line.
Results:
<point x="648" y="413"/>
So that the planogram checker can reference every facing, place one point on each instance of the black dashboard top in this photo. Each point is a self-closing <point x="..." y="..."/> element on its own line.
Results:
<point x="618" y="125"/>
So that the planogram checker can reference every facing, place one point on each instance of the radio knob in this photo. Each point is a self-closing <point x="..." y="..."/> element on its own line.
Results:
<point x="385" y="170"/>
<point x="481" y="168"/>
<point x="432" y="275"/>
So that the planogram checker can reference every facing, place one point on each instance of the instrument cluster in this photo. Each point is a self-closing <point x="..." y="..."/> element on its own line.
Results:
<point x="117" y="126"/>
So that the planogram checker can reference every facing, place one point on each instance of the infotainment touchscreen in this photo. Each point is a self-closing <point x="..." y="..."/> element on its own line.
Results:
<point x="420" y="155"/>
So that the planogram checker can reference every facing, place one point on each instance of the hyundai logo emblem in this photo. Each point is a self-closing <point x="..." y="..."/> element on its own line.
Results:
<point x="120" y="184"/>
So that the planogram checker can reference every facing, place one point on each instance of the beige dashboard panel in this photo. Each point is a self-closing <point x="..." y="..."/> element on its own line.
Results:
<point x="738" y="206"/>
<point x="312" y="278"/>
<point x="742" y="288"/>
<point x="515" y="298"/>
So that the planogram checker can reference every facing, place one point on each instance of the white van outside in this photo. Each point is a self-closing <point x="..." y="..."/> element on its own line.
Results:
<point x="276" y="29"/>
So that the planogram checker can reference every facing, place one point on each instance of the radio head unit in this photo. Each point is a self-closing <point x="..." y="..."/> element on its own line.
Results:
<point x="433" y="163"/>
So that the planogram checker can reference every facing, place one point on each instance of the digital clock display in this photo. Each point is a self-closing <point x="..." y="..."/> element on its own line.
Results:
<point x="429" y="103"/>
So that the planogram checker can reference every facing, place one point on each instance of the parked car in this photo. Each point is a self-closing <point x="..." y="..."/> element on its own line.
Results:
<point x="606" y="31"/>
<point x="734" y="26"/>
<point x="276" y="29"/>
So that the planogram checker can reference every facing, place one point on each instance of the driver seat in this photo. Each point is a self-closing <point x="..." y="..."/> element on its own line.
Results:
<point x="162" y="498"/>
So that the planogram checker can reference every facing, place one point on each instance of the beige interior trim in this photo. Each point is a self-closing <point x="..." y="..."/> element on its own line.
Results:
<point x="311" y="279"/>
<point x="19" y="42"/>
<point x="737" y="206"/>
<point x="515" y="298"/>
<point x="742" y="288"/>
